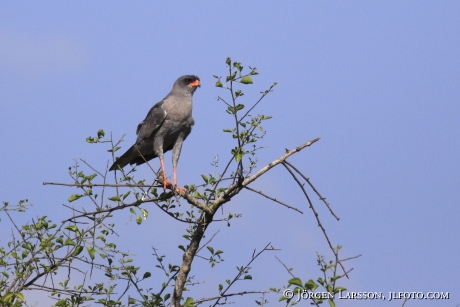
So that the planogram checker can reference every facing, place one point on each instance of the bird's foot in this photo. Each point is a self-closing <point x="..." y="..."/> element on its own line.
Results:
<point x="173" y="187"/>
<point x="180" y="190"/>
<point x="167" y="183"/>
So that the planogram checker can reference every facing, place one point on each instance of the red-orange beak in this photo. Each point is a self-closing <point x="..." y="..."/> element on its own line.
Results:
<point x="195" y="83"/>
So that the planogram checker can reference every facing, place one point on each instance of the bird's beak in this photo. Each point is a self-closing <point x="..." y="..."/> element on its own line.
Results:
<point x="195" y="83"/>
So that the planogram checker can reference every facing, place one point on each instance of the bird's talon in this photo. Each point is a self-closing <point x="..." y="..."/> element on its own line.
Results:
<point x="166" y="184"/>
<point x="180" y="190"/>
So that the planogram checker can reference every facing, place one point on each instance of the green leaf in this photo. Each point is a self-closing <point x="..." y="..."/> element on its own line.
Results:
<point x="228" y="61"/>
<point x="126" y="195"/>
<point x="206" y="180"/>
<point x="238" y="66"/>
<point x="237" y="153"/>
<point x="77" y="250"/>
<point x="321" y="281"/>
<point x="69" y="242"/>
<point x="115" y="198"/>
<point x="295" y="281"/>
<point x="74" y="197"/>
<point x="138" y="220"/>
<point x="100" y="133"/>
<point x="189" y="302"/>
<point x="247" y="277"/>
<point x="20" y="296"/>
<point x="331" y="303"/>
<point x="147" y="275"/>
<point x="239" y="107"/>
<point x="219" y="84"/>
<point x="210" y="249"/>
<point x="145" y="213"/>
<point x="91" y="252"/>
<point x="338" y="289"/>
<point x="72" y="228"/>
<point x="311" y="285"/>
<point x="231" y="77"/>
<point x="228" y="130"/>
<point x="114" y="149"/>
<point x="91" y="177"/>
<point x="246" y="80"/>
<point x="9" y="297"/>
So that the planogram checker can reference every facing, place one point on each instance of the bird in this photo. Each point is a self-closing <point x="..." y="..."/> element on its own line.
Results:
<point x="166" y="126"/>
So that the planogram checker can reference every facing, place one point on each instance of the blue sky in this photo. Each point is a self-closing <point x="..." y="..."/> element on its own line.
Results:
<point x="379" y="82"/>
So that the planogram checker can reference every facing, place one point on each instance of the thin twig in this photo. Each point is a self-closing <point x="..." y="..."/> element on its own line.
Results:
<point x="209" y="241"/>
<point x="200" y="301"/>
<point x="314" y="212"/>
<point x="273" y="199"/>
<point x="90" y="185"/>
<point x="349" y="258"/>
<point x="234" y="189"/>
<point x="87" y="164"/>
<point x="190" y="199"/>
<point x="243" y="271"/>
<point x="404" y="303"/>
<point x="262" y="97"/>
<point x="314" y="189"/>
<point x="287" y="269"/>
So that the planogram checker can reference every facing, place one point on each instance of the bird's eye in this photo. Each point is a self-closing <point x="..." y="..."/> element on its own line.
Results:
<point x="188" y="80"/>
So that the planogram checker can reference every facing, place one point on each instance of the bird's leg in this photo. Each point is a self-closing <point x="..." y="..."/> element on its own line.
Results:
<point x="174" y="176"/>
<point x="181" y="190"/>
<point x="165" y="181"/>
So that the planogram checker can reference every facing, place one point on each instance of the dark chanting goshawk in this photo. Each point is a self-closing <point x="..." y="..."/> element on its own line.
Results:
<point x="165" y="128"/>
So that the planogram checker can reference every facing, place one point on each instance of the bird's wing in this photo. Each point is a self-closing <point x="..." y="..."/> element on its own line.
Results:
<point x="152" y="121"/>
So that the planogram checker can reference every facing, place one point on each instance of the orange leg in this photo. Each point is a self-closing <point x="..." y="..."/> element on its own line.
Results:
<point x="174" y="176"/>
<point x="181" y="190"/>
<point x="165" y="181"/>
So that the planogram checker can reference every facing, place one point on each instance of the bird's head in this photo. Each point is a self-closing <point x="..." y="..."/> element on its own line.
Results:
<point x="188" y="82"/>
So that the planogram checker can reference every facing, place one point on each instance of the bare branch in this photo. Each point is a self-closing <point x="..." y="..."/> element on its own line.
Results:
<point x="314" y="212"/>
<point x="200" y="301"/>
<point x="90" y="185"/>
<point x="235" y="188"/>
<point x="108" y="210"/>
<point x="194" y="202"/>
<point x="314" y="189"/>
<point x="243" y="270"/>
<point x="278" y="161"/>
<point x="189" y="198"/>
<point x="287" y="269"/>
<point x="273" y="199"/>
<point x="255" y="104"/>
<point x="349" y="258"/>
<point x="209" y="241"/>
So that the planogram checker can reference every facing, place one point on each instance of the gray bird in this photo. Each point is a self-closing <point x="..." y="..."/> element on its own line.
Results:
<point x="165" y="127"/>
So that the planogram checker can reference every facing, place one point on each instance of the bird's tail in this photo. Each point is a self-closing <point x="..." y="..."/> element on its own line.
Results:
<point x="129" y="156"/>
